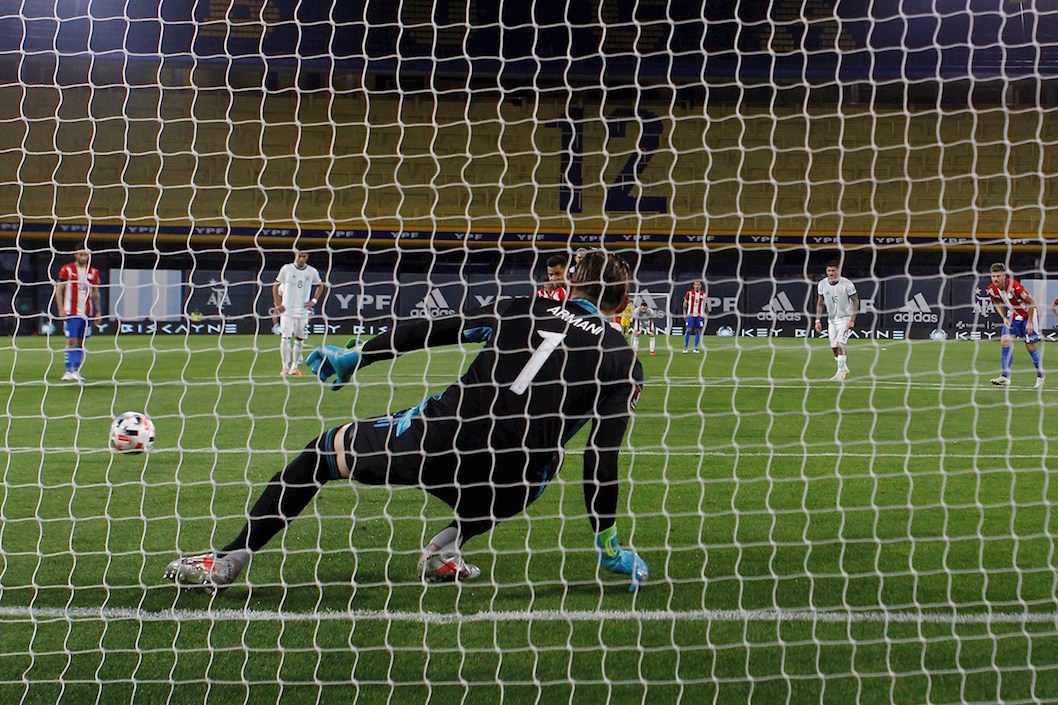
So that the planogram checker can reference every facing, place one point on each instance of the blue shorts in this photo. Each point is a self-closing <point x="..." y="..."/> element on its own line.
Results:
<point x="77" y="328"/>
<point x="695" y="322"/>
<point x="1017" y="331"/>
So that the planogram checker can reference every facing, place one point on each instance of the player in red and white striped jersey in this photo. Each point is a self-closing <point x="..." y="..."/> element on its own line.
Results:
<point x="77" y="301"/>
<point x="695" y="307"/>
<point x="1020" y="321"/>
<point x="555" y="289"/>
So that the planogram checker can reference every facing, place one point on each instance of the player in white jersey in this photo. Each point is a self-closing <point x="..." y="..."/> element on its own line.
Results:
<point x="294" y="302"/>
<point x="839" y="296"/>
<point x="644" y="323"/>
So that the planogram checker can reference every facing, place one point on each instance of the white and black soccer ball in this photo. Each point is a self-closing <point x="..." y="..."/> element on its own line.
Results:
<point x="132" y="433"/>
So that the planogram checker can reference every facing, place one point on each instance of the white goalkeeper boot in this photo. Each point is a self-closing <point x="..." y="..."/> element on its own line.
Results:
<point x="439" y="568"/>
<point x="205" y="571"/>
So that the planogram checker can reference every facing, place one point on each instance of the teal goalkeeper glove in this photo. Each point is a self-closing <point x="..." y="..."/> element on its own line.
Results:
<point x="333" y="360"/>
<point x="618" y="560"/>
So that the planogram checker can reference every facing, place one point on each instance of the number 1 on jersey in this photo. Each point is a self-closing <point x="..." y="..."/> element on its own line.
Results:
<point x="539" y="357"/>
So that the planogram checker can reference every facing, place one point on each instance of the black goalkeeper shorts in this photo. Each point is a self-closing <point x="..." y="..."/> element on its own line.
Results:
<point x="407" y="449"/>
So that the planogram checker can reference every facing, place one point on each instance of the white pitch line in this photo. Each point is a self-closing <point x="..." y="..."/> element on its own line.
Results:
<point x="706" y="382"/>
<point x="710" y="382"/>
<point x="115" y="614"/>
<point x="809" y="453"/>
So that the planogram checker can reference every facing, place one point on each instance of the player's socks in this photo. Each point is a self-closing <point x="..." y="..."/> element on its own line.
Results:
<point x="652" y="344"/>
<point x="76" y="359"/>
<point x="686" y="340"/>
<point x="635" y="343"/>
<point x="285" y="352"/>
<point x="842" y="361"/>
<point x="297" y="357"/>
<point x="697" y="340"/>
<point x="1037" y="360"/>
<point x="1007" y="360"/>
<point x="287" y="494"/>
<point x="442" y="561"/>
<point x="68" y="359"/>
<point x="445" y="541"/>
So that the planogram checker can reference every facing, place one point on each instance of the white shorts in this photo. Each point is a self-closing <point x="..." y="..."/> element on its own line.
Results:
<point x="839" y="332"/>
<point x="294" y="327"/>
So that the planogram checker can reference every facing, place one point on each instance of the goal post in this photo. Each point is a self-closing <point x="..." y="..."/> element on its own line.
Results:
<point x="886" y="531"/>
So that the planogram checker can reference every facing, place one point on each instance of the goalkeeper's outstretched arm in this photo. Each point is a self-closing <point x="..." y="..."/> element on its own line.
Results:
<point x="405" y="336"/>
<point x="600" y="471"/>
<point x="416" y="334"/>
<point x="600" y="498"/>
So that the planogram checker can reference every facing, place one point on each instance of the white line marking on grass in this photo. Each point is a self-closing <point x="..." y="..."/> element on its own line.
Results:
<point x="809" y="453"/>
<point x="114" y="614"/>
<point x="855" y="383"/>
<point x="748" y="383"/>
<point x="632" y="451"/>
<point x="785" y="382"/>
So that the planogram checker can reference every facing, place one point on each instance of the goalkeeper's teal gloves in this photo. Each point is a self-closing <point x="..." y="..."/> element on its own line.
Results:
<point x="331" y="360"/>
<point x="618" y="560"/>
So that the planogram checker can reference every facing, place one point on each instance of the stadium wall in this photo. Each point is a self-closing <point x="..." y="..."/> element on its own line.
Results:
<point x="235" y="297"/>
<point x="203" y="163"/>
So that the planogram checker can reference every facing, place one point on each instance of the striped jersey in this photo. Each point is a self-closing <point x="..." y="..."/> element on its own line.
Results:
<point x="557" y="293"/>
<point x="1013" y="296"/>
<point x="77" y="296"/>
<point x="694" y="303"/>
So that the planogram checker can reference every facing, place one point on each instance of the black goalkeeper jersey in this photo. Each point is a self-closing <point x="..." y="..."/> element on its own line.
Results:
<point x="547" y="368"/>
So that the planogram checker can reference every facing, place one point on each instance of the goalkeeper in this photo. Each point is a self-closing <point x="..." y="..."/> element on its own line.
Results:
<point x="487" y="445"/>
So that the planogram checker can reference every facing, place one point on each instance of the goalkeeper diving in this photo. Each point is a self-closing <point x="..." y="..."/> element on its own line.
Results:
<point x="490" y="443"/>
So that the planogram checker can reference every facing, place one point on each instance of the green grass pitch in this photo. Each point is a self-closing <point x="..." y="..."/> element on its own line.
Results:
<point x="891" y="539"/>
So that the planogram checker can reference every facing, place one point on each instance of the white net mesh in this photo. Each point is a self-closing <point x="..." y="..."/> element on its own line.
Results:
<point x="888" y="536"/>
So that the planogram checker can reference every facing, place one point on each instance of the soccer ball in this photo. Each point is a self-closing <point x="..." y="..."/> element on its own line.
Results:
<point x="132" y="433"/>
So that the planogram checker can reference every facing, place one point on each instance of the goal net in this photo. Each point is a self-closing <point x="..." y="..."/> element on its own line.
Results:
<point x="824" y="520"/>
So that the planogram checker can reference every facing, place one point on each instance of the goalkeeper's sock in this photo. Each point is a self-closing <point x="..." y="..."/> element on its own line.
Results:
<point x="287" y="494"/>
<point x="285" y="352"/>
<point x="1037" y="360"/>
<point x="1007" y="360"/>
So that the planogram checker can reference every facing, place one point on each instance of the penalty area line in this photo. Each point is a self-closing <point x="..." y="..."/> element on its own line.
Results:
<point x="117" y="614"/>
